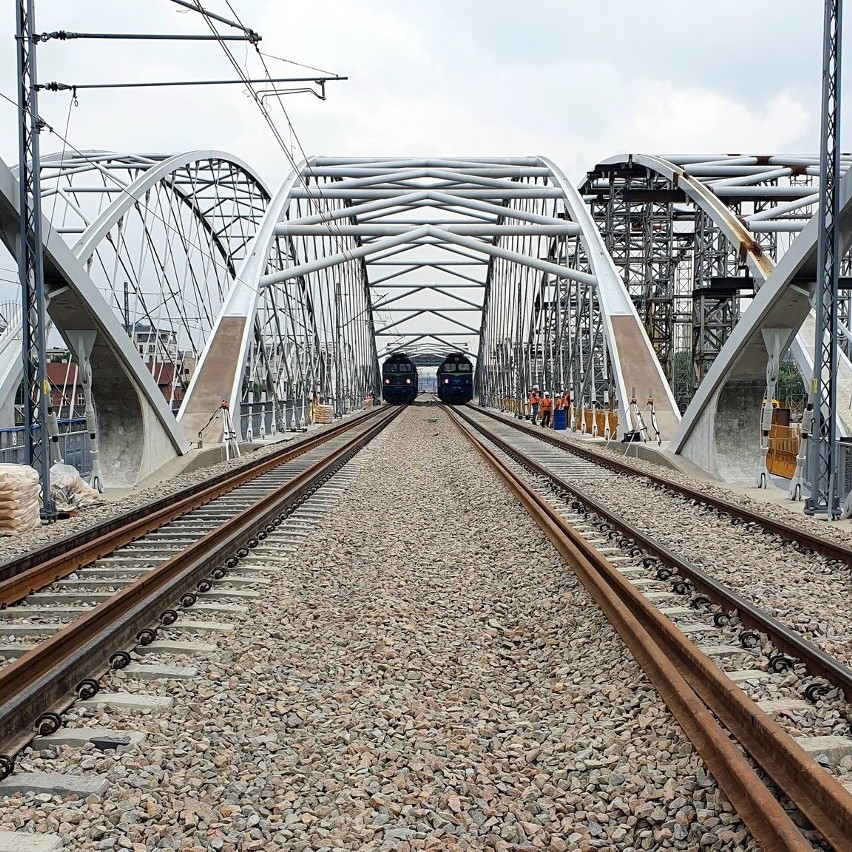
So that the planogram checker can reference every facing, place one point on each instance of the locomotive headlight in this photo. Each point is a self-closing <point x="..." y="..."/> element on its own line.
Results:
<point x="408" y="381"/>
<point x="446" y="381"/>
<point x="387" y="381"/>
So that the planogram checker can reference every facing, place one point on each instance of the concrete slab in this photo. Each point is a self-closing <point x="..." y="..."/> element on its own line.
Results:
<point x="649" y="583"/>
<point x="693" y="629"/>
<point x="130" y="702"/>
<point x="54" y="783"/>
<point x="29" y="629"/>
<point x="659" y="597"/>
<point x="630" y="571"/>
<point x="676" y="611"/>
<point x="723" y="650"/>
<point x="833" y="748"/>
<point x="268" y="561"/>
<point x="143" y="671"/>
<point x="744" y="675"/>
<point x="98" y="571"/>
<point x="12" y="651"/>
<point x="785" y="705"/>
<point x="78" y="737"/>
<point x="95" y="583"/>
<point x="237" y="581"/>
<point x="68" y="611"/>
<point x="247" y="570"/>
<point x="177" y="647"/>
<point x="25" y="841"/>
<point x="131" y="564"/>
<point x="222" y="593"/>
<point x="68" y="596"/>
<point x="190" y="626"/>
<point x="230" y="609"/>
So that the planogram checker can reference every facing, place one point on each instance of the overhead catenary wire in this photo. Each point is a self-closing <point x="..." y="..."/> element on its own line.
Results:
<point x="123" y="189"/>
<point x="310" y="192"/>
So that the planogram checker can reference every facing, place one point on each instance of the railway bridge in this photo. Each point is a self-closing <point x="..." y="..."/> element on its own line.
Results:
<point x="663" y="292"/>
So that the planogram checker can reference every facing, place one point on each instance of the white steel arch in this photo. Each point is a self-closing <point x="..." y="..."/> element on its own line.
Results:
<point x="432" y="241"/>
<point x="694" y="238"/>
<point x="206" y="206"/>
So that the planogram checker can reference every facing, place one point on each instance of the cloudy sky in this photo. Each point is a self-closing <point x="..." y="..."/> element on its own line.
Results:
<point x="574" y="80"/>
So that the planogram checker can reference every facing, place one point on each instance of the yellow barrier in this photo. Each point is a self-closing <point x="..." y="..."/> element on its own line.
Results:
<point x="783" y="448"/>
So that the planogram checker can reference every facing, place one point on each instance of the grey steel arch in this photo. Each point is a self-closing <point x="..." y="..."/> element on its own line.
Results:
<point x="95" y="192"/>
<point x="695" y="238"/>
<point x="430" y="241"/>
<point x="289" y="344"/>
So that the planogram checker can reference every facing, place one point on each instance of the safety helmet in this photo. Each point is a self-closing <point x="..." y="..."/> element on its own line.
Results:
<point x="547" y="393"/>
<point x="535" y="387"/>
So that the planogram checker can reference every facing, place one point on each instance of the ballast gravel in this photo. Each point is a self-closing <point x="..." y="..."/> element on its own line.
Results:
<point x="425" y="673"/>
<point x="12" y="546"/>
<point x="805" y="591"/>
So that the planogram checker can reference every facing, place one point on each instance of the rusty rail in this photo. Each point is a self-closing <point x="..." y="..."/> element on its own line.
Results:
<point x="23" y="575"/>
<point x="826" y="547"/>
<point x="817" y="661"/>
<point x="696" y="689"/>
<point x="44" y="679"/>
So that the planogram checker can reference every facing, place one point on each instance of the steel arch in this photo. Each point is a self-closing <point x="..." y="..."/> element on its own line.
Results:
<point x="132" y="445"/>
<point x="471" y="225"/>
<point x="728" y="219"/>
<point x="312" y="342"/>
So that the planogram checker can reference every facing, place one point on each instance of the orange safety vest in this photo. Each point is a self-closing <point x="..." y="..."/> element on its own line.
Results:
<point x="547" y="403"/>
<point x="534" y="397"/>
<point x="558" y="403"/>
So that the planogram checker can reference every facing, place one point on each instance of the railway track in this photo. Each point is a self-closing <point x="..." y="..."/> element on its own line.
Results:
<point x="76" y="607"/>
<point x="626" y="571"/>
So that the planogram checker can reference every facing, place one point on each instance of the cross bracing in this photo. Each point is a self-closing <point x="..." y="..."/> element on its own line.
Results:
<point x="695" y="236"/>
<point x="467" y="253"/>
<point x="735" y="221"/>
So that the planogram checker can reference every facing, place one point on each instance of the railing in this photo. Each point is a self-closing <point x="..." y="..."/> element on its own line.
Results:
<point x="257" y="418"/>
<point x="73" y="444"/>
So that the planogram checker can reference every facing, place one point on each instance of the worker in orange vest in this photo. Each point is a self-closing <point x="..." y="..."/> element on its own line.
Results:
<point x="534" y="400"/>
<point x="546" y="410"/>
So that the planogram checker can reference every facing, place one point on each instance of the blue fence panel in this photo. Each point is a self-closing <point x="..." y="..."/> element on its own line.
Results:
<point x="74" y="444"/>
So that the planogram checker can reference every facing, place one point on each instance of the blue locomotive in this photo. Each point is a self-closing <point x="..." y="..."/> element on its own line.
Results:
<point x="455" y="379"/>
<point x="399" y="380"/>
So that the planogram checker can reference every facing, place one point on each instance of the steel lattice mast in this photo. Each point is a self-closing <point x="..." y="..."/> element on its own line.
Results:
<point x="36" y="395"/>
<point x="822" y="461"/>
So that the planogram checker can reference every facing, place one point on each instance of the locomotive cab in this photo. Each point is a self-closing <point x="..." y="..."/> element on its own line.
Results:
<point x="455" y="379"/>
<point x="399" y="380"/>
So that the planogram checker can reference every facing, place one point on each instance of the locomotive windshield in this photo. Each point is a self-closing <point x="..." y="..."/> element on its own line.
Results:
<point x="399" y="368"/>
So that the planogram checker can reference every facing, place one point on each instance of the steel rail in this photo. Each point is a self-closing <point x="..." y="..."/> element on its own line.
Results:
<point x="24" y="574"/>
<point x="817" y="661"/>
<point x="830" y="549"/>
<point x="44" y="679"/>
<point x="696" y="689"/>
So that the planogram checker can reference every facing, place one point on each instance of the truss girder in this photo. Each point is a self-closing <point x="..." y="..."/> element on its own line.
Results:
<point x="286" y="339"/>
<point x="168" y="231"/>
<point x="732" y="219"/>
